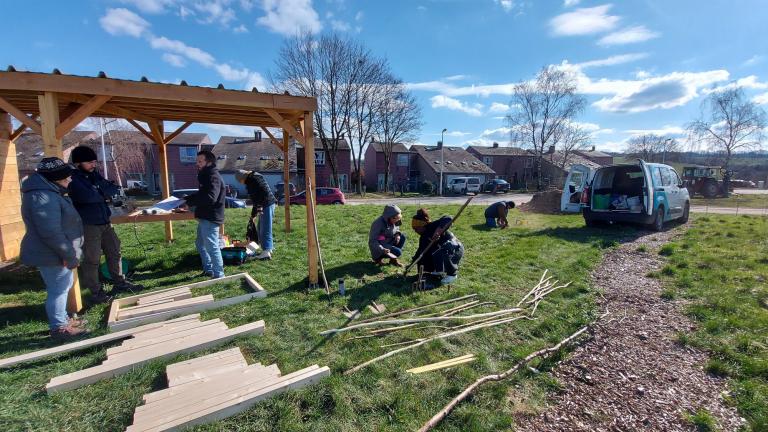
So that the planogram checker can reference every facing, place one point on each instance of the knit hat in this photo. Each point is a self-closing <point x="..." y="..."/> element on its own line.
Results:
<point x="83" y="154"/>
<point x="53" y="169"/>
<point x="241" y="175"/>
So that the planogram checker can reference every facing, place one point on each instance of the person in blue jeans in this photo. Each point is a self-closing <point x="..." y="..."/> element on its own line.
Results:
<point x="208" y="202"/>
<point x="264" y="202"/>
<point x="53" y="240"/>
<point x="496" y="214"/>
<point x="385" y="239"/>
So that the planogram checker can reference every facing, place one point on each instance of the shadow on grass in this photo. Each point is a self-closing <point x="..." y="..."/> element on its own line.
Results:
<point x="483" y="227"/>
<point x="603" y="237"/>
<point x="16" y="278"/>
<point x="16" y="314"/>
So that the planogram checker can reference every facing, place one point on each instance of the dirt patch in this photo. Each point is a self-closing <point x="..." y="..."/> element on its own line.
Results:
<point x="632" y="374"/>
<point x="547" y="202"/>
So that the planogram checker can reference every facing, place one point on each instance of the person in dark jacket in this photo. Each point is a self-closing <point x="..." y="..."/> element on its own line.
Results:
<point x="384" y="238"/>
<point x="441" y="260"/>
<point x="208" y="202"/>
<point x="53" y="239"/>
<point x="496" y="214"/>
<point x="92" y="195"/>
<point x="263" y="201"/>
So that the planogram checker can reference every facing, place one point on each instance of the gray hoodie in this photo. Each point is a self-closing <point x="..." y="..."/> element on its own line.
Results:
<point x="382" y="234"/>
<point x="54" y="229"/>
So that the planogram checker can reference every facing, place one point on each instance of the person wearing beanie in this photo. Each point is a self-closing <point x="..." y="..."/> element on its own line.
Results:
<point x="92" y="195"/>
<point x="385" y="239"/>
<point x="208" y="202"/>
<point x="53" y="239"/>
<point x="496" y="214"/>
<point x="440" y="261"/>
<point x="264" y="202"/>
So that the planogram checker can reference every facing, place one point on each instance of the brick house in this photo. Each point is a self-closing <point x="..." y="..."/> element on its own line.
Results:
<point x="30" y="149"/>
<point x="555" y="170"/>
<point x="400" y="166"/>
<point x="322" y="167"/>
<point x="253" y="154"/>
<point x="512" y="164"/>
<point x="596" y="156"/>
<point x="457" y="162"/>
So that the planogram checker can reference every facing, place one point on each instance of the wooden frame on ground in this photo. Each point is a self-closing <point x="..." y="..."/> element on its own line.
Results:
<point x="116" y="324"/>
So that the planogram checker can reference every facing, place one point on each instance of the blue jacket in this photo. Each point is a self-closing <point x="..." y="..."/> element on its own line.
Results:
<point x="89" y="193"/>
<point x="54" y="229"/>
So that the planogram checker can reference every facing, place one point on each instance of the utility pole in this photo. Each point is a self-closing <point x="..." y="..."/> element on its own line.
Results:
<point x="103" y="147"/>
<point x="442" y="144"/>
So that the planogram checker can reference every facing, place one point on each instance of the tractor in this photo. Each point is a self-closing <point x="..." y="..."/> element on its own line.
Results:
<point x="708" y="181"/>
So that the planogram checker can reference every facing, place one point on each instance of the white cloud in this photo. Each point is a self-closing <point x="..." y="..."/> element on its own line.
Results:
<point x="754" y="60"/>
<point x="761" y="99"/>
<point x="613" y="60"/>
<point x="593" y="129"/>
<point x="247" y="5"/>
<point x="584" y="21"/>
<point x="121" y="21"/>
<point x="150" y="6"/>
<point x="749" y="82"/>
<point x="215" y="11"/>
<point x="359" y="15"/>
<point x="457" y="133"/>
<point x="240" y="29"/>
<point x="255" y="79"/>
<point x="178" y="47"/>
<point x="507" y="5"/>
<point x="455" y="77"/>
<point x="627" y="36"/>
<point x="500" y="134"/>
<point x="441" y="101"/>
<point x="569" y="3"/>
<point x="497" y="107"/>
<point x="288" y="17"/>
<point x="666" y="130"/>
<point x="339" y="25"/>
<point x="174" y="60"/>
<point x="421" y="8"/>
<point x="184" y="12"/>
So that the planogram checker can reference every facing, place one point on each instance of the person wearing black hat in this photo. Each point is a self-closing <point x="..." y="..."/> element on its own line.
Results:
<point x="496" y="214"/>
<point x="53" y="239"/>
<point x="264" y="202"/>
<point x="92" y="194"/>
<point x="440" y="259"/>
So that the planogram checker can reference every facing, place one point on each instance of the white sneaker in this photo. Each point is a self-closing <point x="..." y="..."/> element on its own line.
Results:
<point x="266" y="255"/>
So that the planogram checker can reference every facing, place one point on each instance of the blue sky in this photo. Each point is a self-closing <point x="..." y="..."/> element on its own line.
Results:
<point x="644" y="66"/>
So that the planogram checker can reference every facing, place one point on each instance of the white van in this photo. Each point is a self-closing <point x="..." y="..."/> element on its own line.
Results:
<point x="463" y="185"/>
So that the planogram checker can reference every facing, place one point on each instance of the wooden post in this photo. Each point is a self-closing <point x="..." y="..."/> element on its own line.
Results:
<point x="49" y="119"/>
<point x="286" y="179"/>
<point x="309" y="178"/>
<point x="159" y="138"/>
<point x="11" y="224"/>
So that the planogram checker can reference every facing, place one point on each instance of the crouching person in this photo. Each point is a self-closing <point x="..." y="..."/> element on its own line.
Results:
<point x="440" y="261"/>
<point x="496" y="214"/>
<point x="53" y="240"/>
<point x="385" y="239"/>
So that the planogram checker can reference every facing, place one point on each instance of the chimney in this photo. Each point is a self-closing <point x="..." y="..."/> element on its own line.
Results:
<point x="257" y="135"/>
<point x="593" y="148"/>
<point x="439" y="145"/>
<point x="551" y="150"/>
<point x="495" y="144"/>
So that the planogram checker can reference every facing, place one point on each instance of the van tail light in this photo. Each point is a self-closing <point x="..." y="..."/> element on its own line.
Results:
<point x="585" y="196"/>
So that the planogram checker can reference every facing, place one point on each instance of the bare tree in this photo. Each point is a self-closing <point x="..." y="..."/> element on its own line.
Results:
<point x="729" y="123"/>
<point x="124" y="153"/>
<point x="541" y="108"/>
<point x="651" y="147"/>
<point x="569" y="138"/>
<point x="397" y="120"/>
<point x="329" y="69"/>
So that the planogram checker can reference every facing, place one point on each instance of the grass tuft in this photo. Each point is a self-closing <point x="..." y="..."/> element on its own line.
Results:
<point x="702" y="420"/>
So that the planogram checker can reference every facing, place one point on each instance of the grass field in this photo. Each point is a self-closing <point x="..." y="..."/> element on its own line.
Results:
<point x="499" y="265"/>
<point x="721" y="266"/>
<point x="756" y="201"/>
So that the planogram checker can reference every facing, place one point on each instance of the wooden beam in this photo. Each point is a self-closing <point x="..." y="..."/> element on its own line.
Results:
<point x="309" y="179"/>
<point x="141" y="129"/>
<point x="173" y="135"/>
<point x="80" y="114"/>
<point x="286" y="125"/>
<point x="19" y="130"/>
<point x="109" y="108"/>
<point x="20" y="116"/>
<point x="286" y="180"/>
<point x="159" y="138"/>
<point x="274" y="140"/>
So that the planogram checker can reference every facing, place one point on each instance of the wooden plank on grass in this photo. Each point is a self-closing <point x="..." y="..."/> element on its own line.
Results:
<point x="229" y="365"/>
<point x="169" y="294"/>
<point x="191" y="363"/>
<point x="80" y="345"/>
<point x="96" y="373"/>
<point x="149" y="310"/>
<point x="136" y="343"/>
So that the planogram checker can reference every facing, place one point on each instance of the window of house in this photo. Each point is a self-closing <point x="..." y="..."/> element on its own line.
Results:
<point x="402" y="160"/>
<point x="187" y="154"/>
<point x="319" y="158"/>
<point x="488" y="160"/>
<point x="529" y="162"/>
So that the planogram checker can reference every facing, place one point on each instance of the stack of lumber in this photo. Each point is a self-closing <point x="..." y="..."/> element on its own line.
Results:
<point x="214" y="387"/>
<point x="183" y="335"/>
<point x="172" y="302"/>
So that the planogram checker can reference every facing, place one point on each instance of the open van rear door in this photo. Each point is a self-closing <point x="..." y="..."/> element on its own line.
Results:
<point x="647" y="188"/>
<point x="578" y="178"/>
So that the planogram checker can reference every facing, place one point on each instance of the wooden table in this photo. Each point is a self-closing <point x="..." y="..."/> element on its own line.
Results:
<point x="137" y="217"/>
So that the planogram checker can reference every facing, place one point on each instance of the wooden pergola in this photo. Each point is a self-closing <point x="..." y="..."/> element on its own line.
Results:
<point x="53" y="104"/>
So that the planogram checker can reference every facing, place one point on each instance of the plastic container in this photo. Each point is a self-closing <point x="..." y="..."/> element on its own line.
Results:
<point x="601" y="201"/>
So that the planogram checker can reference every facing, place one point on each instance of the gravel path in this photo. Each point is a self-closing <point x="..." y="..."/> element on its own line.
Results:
<point x="632" y="375"/>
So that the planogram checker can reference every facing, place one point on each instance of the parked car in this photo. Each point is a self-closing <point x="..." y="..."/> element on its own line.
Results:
<point x="646" y="193"/>
<point x="279" y="189"/>
<point x="229" y="202"/>
<point x="136" y="184"/>
<point x="463" y="185"/>
<point x="496" y="185"/>
<point x="324" y="195"/>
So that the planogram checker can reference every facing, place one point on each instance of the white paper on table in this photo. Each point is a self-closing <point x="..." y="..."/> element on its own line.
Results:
<point x="167" y="204"/>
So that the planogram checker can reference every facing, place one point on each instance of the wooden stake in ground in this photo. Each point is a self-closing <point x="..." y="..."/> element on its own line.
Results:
<point x="317" y="241"/>
<point x="443" y="413"/>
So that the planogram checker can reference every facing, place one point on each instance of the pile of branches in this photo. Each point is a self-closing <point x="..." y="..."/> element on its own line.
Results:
<point x="447" y="321"/>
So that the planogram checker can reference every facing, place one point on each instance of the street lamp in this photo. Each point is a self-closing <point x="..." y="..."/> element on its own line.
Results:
<point x="442" y="144"/>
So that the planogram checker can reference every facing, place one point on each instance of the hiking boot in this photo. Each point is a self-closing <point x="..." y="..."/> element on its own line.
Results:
<point x="379" y="262"/>
<point x="266" y="255"/>
<point x="68" y="332"/>
<point x="204" y="274"/>
<point x="126" y="286"/>
<point x="395" y="262"/>
<point x="100" y="297"/>
<point x="78" y="322"/>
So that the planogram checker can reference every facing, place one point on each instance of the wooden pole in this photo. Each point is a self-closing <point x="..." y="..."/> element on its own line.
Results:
<point x="11" y="224"/>
<point x="49" y="119"/>
<point x="309" y="178"/>
<point x="287" y="179"/>
<point x="159" y="138"/>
